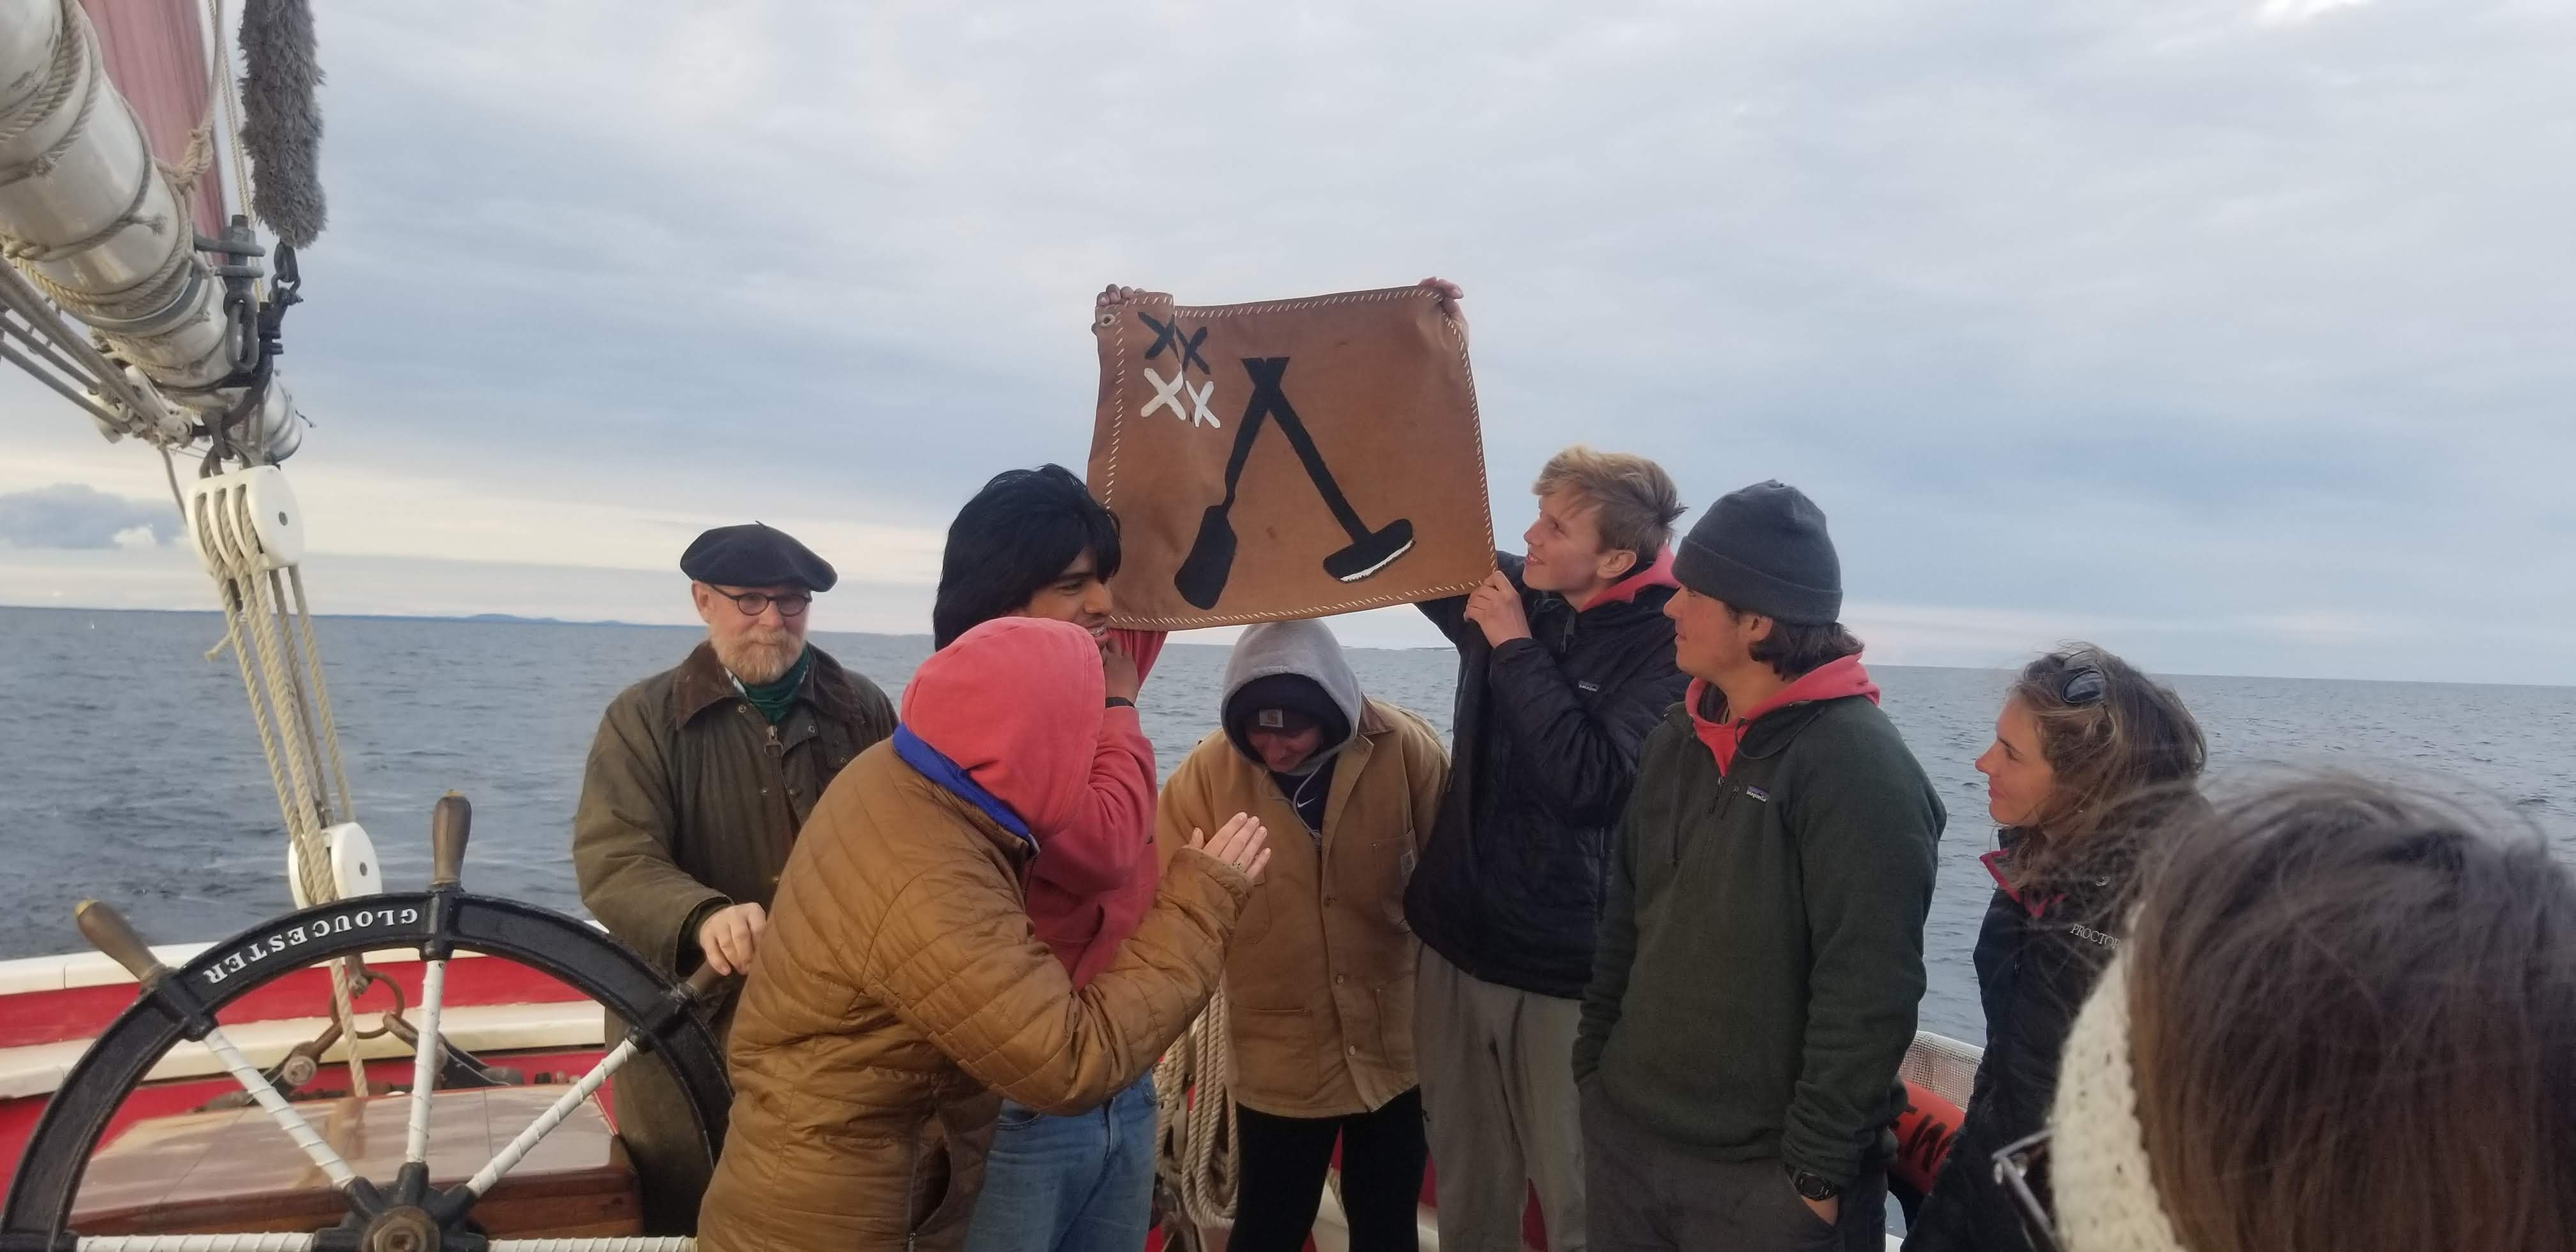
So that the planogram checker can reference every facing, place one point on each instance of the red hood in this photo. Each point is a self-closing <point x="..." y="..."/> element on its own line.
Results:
<point x="1017" y="703"/>
<point x="1659" y="574"/>
<point x="1832" y="680"/>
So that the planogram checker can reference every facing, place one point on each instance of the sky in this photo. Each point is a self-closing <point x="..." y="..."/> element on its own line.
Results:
<point x="2234" y="336"/>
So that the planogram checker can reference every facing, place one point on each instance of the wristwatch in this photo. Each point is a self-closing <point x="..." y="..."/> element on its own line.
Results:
<point x="1813" y="1186"/>
<point x="1120" y="702"/>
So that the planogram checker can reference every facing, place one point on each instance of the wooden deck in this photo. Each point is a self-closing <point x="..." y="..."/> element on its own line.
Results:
<point x="234" y="1170"/>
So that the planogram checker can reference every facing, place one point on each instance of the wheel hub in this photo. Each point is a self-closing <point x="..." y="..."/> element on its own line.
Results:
<point x="403" y="1228"/>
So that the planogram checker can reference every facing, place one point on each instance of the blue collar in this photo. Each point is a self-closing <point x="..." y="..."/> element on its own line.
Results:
<point x="939" y="769"/>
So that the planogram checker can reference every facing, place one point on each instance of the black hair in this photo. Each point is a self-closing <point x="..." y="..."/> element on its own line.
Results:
<point x="1795" y="649"/>
<point x="1016" y="536"/>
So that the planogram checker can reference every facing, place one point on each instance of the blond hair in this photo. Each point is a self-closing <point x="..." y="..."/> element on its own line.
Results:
<point x="1633" y="500"/>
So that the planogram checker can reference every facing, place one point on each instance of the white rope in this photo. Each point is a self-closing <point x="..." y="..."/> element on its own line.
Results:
<point x="194" y="1243"/>
<point x="424" y="1061"/>
<point x="261" y="1090"/>
<point x="229" y="93"/>
<point x="199" y="156"/>
<point x="303" y="1243"/>
<point x="1197" y="1147"/>
<point x="509" y="1157"/>
<point x="321" y="695"/>
<point x="269" y="685"/>
<point x="664" y="1243"/>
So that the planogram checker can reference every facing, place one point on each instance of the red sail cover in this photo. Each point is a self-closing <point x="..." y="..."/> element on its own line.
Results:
<point x="1294" y="458"/>
<point x="155" y="51"/>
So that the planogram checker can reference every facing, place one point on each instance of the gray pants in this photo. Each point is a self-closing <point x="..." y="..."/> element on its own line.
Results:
<point x="1649" y="1195"/>
<point x="1497" y="1069"/>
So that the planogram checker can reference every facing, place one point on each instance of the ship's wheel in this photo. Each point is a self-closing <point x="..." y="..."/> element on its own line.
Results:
<point x="404" y="1213"/>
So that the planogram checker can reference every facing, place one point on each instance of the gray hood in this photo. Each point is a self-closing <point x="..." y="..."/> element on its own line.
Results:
<point x="1306" y="649"/>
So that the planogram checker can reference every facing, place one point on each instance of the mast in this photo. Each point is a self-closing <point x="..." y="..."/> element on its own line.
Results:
<point x="100" y="234"/>
<point x="116" y="298"/>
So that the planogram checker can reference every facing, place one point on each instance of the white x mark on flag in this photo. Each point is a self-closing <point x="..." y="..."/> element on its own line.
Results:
<point x="1165" y="393"/>
<point x="1198" y="404"/>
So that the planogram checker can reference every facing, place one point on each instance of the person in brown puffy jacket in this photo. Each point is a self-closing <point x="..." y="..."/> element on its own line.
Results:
<point x="900" y="991"/>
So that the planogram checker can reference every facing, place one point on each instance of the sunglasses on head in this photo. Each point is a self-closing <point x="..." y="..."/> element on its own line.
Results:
<point x="2084" y="684"/>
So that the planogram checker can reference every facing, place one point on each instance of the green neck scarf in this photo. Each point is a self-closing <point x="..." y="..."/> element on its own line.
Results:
<point x="773" y="699"/>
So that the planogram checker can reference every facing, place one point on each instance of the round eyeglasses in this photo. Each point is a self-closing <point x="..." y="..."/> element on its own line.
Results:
<point x="755" y="603"/>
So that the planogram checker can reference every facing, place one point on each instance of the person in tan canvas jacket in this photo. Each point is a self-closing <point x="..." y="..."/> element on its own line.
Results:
<point x="695" y="787"/>
<point x="1319" y="981"/>
<point x="901" y="992"/>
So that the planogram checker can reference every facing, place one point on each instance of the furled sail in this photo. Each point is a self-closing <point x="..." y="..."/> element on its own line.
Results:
<point x="113" y="219"/>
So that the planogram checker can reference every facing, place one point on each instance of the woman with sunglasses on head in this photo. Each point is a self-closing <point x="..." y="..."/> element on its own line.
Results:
<point x="2086" y="747"/>
<point x="2345" y="1021"/>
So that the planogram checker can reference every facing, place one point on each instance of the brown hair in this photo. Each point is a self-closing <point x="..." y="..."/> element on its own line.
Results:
<point x="2118" y="756"/>
<point x="2353" y="1026"/>
<point x="1634" y="501"/>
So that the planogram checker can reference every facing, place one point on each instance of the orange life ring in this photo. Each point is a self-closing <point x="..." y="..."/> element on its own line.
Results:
<point x="1923" y="1133"/>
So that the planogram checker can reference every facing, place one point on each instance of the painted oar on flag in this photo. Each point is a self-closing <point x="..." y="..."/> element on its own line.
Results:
<point x="1203" y="573"/>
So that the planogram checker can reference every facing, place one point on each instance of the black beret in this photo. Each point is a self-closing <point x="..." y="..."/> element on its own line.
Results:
<point x="755" y="556"/>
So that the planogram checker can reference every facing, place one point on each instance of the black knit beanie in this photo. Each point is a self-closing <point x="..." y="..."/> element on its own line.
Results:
<point x="1293" y="694"/>
<point x="1764" y="550"/>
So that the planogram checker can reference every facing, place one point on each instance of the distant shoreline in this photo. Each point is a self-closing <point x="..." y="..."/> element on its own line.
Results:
<point x="510" y="619"/>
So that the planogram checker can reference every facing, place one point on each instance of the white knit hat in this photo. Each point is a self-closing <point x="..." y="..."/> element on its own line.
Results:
<point x="2104" y="1195"/>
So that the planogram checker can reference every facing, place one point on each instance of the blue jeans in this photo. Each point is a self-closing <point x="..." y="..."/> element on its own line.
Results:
<point x="1069" y="1184"/>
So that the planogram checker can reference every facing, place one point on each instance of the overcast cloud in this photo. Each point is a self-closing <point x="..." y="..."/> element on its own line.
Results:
<point x="69" y="515"/>
<point x="2235" y="335"/>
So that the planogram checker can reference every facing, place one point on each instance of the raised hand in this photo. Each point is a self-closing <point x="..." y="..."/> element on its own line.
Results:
<point x="1114" y="294"/>
<point x="1241" y="844"/>
<point x="1496" y="609"/>
<point x="729" y="936"/>
<point x="1450" y="295"/>
<point x="1118" y="670"/>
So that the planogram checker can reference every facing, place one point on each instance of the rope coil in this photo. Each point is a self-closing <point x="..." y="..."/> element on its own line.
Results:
<point x="1197" y="1145"/>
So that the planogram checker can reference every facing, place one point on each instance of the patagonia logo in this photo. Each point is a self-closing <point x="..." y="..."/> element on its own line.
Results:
<point x="2092" y="936"/>
<point x="1758" y="794"/>
<point x="1593" y="688"/>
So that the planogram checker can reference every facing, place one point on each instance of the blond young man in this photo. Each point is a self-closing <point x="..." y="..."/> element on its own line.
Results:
<point x="1565" y="665"/>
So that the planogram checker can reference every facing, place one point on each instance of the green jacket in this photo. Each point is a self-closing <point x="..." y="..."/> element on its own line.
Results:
<point x="1761" y="947"/>
<point x="691" y="799"/>
<point x="690" y="802"/>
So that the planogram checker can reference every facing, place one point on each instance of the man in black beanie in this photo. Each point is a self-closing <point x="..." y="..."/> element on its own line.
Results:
<point x="696" y="786"/>
<point x="1761" y="949"/>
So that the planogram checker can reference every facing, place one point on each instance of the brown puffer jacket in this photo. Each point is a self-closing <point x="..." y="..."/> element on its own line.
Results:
<point x="899" y="991"/>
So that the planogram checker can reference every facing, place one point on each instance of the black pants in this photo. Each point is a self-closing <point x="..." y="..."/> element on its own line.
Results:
<point x="1282" y="1181"/>
<point x="1646" y="1195"/>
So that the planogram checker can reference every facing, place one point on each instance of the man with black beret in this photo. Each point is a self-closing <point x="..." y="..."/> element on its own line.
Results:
<point x="696" y="786"/>
<point x="1761" y="946"/>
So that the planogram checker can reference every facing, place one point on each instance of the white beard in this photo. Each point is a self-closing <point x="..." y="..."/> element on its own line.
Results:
<point x="759" y="657"/>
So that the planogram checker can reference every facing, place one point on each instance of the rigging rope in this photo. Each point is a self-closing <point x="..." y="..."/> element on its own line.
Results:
<point x="1197" y="1147"/>
<point x="273" y="681"/>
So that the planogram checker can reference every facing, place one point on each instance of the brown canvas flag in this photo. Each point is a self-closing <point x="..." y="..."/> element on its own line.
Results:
<point x="1295" y="458"/>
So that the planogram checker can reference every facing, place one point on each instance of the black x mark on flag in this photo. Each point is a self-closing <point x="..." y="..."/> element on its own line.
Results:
<point x="1168" y="335"/>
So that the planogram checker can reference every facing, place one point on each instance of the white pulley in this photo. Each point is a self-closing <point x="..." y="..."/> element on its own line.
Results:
<point x="354" y="869"/>
<point x="246" y="513"/>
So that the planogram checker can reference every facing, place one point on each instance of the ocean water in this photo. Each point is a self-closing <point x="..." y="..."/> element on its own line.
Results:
<point x="129" y="770"/>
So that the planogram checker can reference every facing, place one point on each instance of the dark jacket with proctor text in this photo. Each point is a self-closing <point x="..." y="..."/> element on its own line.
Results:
<point x="1547" y="735"/>
<point x="2038" y="955"/>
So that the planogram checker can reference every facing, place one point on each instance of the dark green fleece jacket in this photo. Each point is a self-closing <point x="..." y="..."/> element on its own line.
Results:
<point x="1761" y="946"/>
